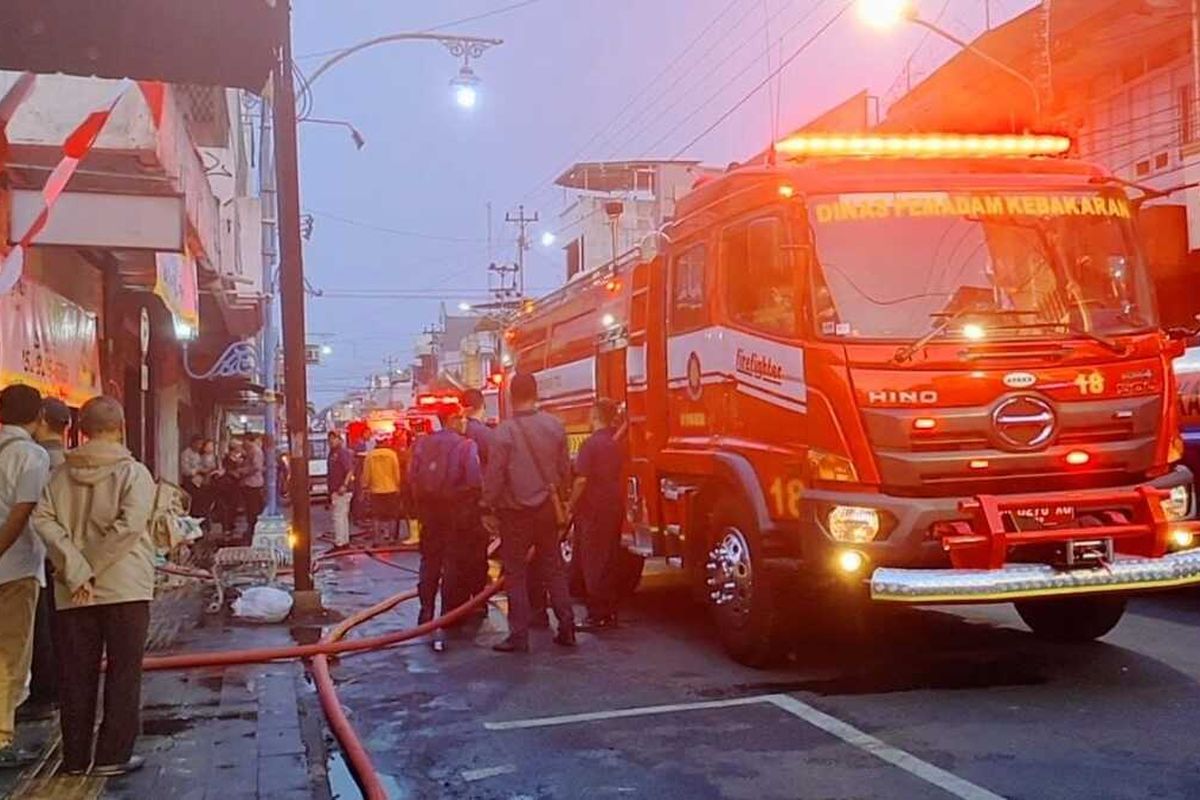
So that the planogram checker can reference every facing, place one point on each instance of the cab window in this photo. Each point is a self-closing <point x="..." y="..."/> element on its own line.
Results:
<point x="688" y="310"/>
<point x="760" y="283"/>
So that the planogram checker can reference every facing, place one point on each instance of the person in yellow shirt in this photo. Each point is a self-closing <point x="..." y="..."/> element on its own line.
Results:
<point x="383" y="483"/>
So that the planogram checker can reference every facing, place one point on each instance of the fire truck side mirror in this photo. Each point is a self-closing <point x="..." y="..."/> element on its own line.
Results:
<point x="1163" y="235"/>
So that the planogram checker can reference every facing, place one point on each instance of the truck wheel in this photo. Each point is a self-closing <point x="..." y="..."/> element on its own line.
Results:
<point x="743" y="596"/>
<point x="1072" y="619"/>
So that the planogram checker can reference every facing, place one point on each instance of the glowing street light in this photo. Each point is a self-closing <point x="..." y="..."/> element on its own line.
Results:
<point x="548" y="239"/>
<point x="464" y="306"/>
<point x="465" y="84"/>
<point x="885" y="13"/>
<point x="326" y="350"/>
<point x="890" y="13"/>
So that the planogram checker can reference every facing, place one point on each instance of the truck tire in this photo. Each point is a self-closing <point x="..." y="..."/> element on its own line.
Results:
<point x="744" y="596"/>
<point x="1072" y="619"/>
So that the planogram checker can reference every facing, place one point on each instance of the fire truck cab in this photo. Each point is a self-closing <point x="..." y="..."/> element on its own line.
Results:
<point x="914" y="369"/>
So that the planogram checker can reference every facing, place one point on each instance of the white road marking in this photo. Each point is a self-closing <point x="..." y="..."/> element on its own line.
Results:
<point x="619" y="713"/>
<point x="948" y="781"/>
<point x="936" y="776"/>
<point x="471" y="775"/>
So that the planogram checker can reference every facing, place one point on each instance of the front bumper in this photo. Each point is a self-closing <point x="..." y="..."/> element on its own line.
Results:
<point x="910" y="543"/>
<point x="1018" y="581"/>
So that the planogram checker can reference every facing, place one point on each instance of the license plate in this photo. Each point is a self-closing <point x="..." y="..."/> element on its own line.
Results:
<point x="1048" y="516"/>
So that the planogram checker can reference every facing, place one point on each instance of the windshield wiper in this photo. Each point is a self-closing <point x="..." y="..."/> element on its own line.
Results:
<point x="909" y="350"/>
<point x="1100" y="339"/>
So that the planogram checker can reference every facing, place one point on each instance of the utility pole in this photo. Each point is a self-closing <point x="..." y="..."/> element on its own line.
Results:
<point x="291" y="296"/>
<point x="503" y="292"/>
<point x="270" y="339"/>
<point x="522" y="222"/>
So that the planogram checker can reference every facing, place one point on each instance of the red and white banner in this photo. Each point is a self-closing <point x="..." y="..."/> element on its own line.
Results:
<point x="75" y="147"/>
<point x="48" y="342"/>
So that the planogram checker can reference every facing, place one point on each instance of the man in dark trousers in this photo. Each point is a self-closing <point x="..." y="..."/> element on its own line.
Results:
<point x="475" y="536"/>
<point x="598" y="510"/>
<point x="527" y="467"/>
<point x="444" y="473"/>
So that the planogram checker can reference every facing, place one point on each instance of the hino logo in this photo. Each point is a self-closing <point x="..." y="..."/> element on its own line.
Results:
<point x="1020" y="380"/>
<point x="916" y="398"/>
<point x="1024" y="422"/>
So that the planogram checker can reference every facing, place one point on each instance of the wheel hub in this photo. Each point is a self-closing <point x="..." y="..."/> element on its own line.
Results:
<point x="729" y="574"/>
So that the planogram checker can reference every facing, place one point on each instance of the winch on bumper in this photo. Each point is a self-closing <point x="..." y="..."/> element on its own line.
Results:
<point x="984" y="549"/>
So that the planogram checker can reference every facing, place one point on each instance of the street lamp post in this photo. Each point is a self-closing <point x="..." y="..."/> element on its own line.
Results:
<point x="465" y="83"/>
<point x="888" y="13"/>
<point x="291" y="274"/>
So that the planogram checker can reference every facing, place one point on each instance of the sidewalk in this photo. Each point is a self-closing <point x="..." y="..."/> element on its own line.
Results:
<point x="239" y="733"/>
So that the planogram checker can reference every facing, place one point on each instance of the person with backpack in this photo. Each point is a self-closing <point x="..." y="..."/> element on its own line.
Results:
<point x="444" y="473"/>
<point x="24" y="470"/>
<point x="528" y="465"/>
<point x="95" y="520"/>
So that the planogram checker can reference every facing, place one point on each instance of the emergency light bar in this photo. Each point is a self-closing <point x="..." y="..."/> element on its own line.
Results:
<point x="929" y="145"/>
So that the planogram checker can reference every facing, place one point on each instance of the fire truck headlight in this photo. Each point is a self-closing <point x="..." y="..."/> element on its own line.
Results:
<point x="854" y="524"/>
<point x="1178" y="504"/>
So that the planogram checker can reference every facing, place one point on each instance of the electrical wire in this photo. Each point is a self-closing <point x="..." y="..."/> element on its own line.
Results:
<point x="680" y="95"/>
<point x="733" y="79"/>
<point x="394" y="231"/>
<point x="440" y="27"/>
<point x="631" y="104"/>
<point x="782" y="66"/>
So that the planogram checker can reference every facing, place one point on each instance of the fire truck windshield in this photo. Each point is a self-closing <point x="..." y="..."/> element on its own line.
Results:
<point x="898" y="265"/>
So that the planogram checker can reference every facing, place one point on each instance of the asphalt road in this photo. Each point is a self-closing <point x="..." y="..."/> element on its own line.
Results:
<point x="923" y="704"/>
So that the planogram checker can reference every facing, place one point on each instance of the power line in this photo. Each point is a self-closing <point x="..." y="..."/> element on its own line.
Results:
<point x="441" y="27"/>
<point x="758" y="88"/>
<point x="633" y="101"/>
<point x="679" y="123"/>
<point x="394" y="231"/>
<point x="674" y="85"/>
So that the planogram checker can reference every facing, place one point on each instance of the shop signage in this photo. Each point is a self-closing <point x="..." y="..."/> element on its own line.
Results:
<point x="48" y="342"/>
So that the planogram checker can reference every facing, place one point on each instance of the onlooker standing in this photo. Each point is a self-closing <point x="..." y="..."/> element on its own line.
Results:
<point x="24" y="468"/>
<point x="599" y="512"/>
<point x="475" y="536"/>
<point x="52" y="436"/>
<point x="382" y="483"/>
<point x="94" y="516"/>
<point x="445" y="471"/>
<point x="226" y="489"/>
<point x="52" y="432"/>
<point x="253" y="480"/>
<point x="340" y="475"/>
<point x="527" y="467"/>
<point x="191" y="473"/>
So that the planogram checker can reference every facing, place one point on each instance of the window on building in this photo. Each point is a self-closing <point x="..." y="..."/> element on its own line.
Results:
<point x="574" y="257"/>
<point x="688" y="309"/>
<point x="760" y="282"/>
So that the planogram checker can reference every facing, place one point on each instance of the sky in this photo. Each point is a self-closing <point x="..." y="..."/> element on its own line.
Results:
<point x="574" y="80"/>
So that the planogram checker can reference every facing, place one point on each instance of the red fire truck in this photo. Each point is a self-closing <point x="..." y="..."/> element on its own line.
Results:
<point x="926" y="369"/>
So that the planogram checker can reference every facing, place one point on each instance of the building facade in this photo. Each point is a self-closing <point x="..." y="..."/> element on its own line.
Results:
<point x="147" y="267"/>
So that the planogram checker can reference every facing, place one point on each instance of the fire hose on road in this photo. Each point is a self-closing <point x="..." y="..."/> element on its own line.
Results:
<point x="333" y="644"/>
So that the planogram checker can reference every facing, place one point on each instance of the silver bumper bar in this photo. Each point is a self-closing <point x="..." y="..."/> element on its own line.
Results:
<point x="1018" y="581"/>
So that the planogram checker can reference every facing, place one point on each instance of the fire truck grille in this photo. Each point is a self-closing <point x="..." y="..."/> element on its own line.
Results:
<point x="965" y="452"/>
